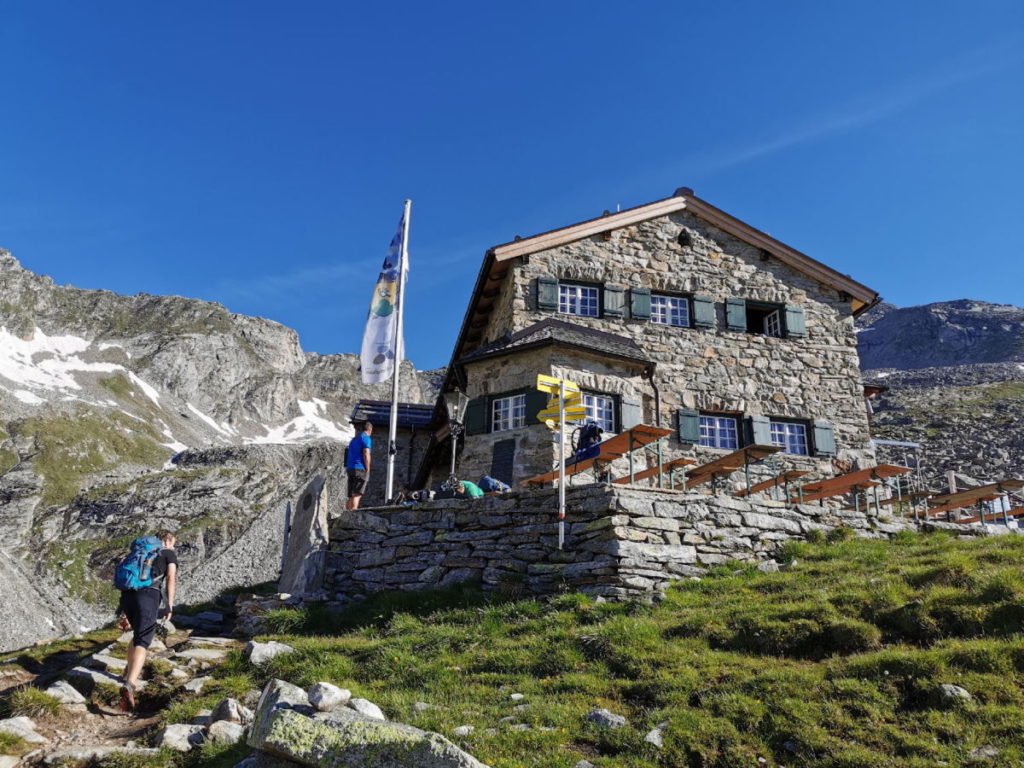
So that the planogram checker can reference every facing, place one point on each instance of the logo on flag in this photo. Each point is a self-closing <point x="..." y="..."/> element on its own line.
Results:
<point x="382" y="346"/>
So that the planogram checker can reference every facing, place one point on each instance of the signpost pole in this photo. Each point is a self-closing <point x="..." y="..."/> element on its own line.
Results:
<point x="561" y="464"/>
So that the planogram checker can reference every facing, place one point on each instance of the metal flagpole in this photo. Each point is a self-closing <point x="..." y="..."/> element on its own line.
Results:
<point x="399" y="354"/>
<point x="561" y="463"/>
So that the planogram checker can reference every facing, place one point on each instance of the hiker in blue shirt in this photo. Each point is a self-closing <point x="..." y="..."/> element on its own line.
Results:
<point x="357" y="465"/>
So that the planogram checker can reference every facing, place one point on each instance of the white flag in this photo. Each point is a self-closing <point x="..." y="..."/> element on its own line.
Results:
<point x="381" y="349"/>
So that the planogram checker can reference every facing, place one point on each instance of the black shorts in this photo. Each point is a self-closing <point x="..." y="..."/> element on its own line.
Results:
<point x="356" y="482"/>
<point x="142" y="607"/>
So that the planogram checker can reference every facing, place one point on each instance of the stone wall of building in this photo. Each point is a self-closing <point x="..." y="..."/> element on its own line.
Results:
<point x="620" y="541"/>
<point x="411" y="444"/>
<point x="713" y="369"/>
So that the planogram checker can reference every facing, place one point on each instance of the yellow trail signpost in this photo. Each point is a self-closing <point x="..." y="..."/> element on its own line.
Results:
<point x="565" y="405"/>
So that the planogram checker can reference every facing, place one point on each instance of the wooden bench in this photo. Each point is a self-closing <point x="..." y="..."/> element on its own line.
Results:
<point x="666" y="469"/>
<point x="782" y="479"/>
<point x="726" y="465"/>
<point x="951" y="501"/>
<point x="851" y="482"/>
<point x="622" y="445"/>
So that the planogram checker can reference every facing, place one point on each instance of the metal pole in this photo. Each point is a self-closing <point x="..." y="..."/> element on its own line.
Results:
<point x="561" y="463"/>
<point x="399" y="354"/>
<point x="661" y="468"/>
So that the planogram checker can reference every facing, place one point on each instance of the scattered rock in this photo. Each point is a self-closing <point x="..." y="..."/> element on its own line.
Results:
<point x="107" y="662"/>
<point x="180" y="737"/>
<point x="326" y="696"/>
<point x="209" y="617"/>
<point x="180" y="674"/>
<point x="347" y="739"/>
<point x="519" y="727"/>
<point x="464" y="730"/>
<point x="202" y="654"/>
<point x="517" y="697"/>
<point x="261" y="653"/>
<point x="953" y="695"/>
<point x="261" y="760"/>
<point x="85" y="679"/>
<point x="9" y="761"/>
<point x="584" y="764"/>
<point x="277" y="694"/>
<point x="768" y="566"/>
<point x="66" y="694"/>
<point x="367" y="708"/>
<point x="225" y="732"/>
<point x="83" y="754"/>
<point x="421" y="706"/>
<point x="985" y="752"/>
<point x="232" y="711"/>
<point x="24" y="728"/>
<point x="602" y="718"/>
<point x="202" y="717"/>
<point x="656" y="736"/>
<point x="196" y="685"/>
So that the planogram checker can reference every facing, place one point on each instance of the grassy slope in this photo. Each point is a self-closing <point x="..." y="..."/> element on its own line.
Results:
<point x="833" y="663"/>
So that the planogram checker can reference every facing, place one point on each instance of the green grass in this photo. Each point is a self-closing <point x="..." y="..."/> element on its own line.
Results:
<point x="73" y="447"/>
<point x="31" y="702"/>
<point x="834" y="663"/>
<point x="8" y="459"/>
<point x="13" y="745"/>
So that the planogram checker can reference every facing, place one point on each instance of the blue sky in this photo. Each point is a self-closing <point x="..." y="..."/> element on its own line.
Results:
<point x="257" y="154"/>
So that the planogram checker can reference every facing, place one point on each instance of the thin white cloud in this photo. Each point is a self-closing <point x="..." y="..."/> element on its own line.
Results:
<point x="864" y="111"/>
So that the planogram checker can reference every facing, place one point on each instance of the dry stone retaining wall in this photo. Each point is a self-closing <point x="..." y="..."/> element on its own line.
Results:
<point x="619" y="541"/>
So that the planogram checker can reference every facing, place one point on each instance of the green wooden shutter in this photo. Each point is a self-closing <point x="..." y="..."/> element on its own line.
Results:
<point x="547" y="293"/>
<point x="736" y="314"/>
<point x="536" y="401"/>
<point x="689" y="426"/>
<point x="824" y="439"/>
<point x="795" y="325"/>
<point x="614" y="301"/>
<point x="759" y="430"/>
<point x="476" y="416"/>
<point x="631" y="413"/>
<point x="703" y="312"/>
<point x="640" y="303"/>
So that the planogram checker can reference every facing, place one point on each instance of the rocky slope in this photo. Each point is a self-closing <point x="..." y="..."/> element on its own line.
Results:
<point x="119" y="414"/>
<point x="955" y="373"/>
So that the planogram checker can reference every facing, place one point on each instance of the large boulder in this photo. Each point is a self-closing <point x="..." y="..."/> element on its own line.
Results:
<point x="344" y="738"/>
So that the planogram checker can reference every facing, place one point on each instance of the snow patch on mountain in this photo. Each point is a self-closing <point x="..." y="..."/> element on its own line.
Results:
<point x="309" y="426"/>
<point x="47" y="362"/>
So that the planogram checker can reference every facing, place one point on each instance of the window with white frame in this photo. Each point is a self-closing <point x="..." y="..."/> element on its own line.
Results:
<point x="670" y="310"/>
<point x="719" y="432"/>
<point x="601" y="411"/>
<point x="790" y="436"/>
<point x="578" y="300"/>
<point x="508" y="413"/>
<point x="773" y="324"/>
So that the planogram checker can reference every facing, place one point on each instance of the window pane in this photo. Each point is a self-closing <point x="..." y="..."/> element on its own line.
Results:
<point x="719" y="432"/>
<point x="792" y="438"/>
<point x="508" y="413"/>
<point x="578" y="300"/>
<point x="601" y="411"/>
<point x="670" y="310"/>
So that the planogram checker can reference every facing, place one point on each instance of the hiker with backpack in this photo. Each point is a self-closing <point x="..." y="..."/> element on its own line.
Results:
<point x="145" y="576"/>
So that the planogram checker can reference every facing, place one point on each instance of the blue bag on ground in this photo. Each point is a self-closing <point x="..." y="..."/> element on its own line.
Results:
<point x="490" y="484"/>
<point x="136" y="570"/>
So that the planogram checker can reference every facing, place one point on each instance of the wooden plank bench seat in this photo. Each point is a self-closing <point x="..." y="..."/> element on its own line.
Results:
<point x="611" y="449"/>
<point x="726" y="465"/>
<point x="850" y="482"/>
<point x="667" y="469"/>
<point x="782" y="478"/>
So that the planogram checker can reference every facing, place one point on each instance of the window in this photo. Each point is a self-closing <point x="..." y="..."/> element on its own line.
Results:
<point x="773" y="320"/>
<point x="670" y="310"/>
<point x="601" y="411"/>
<point x="765" y="319"/>
<point x="578" y="300"/>
<point x="508" y="413"/>
<point x="773" y="324"/>
<point x="791" y="436"/>
<point x="719" y="432"/>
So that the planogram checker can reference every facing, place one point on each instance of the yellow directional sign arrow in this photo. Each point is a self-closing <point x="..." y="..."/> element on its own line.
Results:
<point x="554" y="386"/>
<point x="571" y="401"/>
<point x="571" y="414"/>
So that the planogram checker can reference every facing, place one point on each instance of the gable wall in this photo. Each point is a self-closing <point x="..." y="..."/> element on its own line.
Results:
<point x="816" y="377"/>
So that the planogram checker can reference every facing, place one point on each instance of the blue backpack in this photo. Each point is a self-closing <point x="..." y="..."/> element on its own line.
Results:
<point x="136" y="570"/>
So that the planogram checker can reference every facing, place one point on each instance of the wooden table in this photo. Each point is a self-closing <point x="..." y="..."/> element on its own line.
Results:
<point x="668" y="467"/>
<point x="990" y="492"/>
<point x="622" y="445"/>
<point x="726" y="465"/>
<point x="851" y="482"/>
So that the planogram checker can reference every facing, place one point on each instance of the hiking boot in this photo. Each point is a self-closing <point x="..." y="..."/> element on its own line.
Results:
<point x="127" y="697"/>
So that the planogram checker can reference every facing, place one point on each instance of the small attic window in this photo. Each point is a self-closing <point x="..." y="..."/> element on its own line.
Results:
<point x="684" y="239"/>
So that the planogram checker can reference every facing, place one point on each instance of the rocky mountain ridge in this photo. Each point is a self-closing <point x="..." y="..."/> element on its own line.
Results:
<point x="119" y="414"/>
<point x="954" y="373"/>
